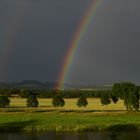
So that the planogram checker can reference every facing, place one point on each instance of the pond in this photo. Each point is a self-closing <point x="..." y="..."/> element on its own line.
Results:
<point x="108" y="135"/>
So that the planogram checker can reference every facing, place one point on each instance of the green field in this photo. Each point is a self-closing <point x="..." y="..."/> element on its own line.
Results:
<point x="17" y="117"/>
<point x="68" y="121"/>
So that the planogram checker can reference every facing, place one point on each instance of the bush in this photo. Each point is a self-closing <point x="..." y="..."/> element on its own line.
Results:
<point x="4" y="101"/>
<point x="82" y="102"/>
<point x="105" y="100"/>
<point x="58" y="101"/>
<point x="32" y="101"/>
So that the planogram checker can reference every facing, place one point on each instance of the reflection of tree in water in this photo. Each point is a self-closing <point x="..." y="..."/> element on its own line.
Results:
<point x="124" y="135"/>
<point x="131" y="135"/>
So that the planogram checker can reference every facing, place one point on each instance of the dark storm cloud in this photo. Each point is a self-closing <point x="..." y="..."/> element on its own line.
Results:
<point x="42" y="37"/>
<point x="112" y="53"/>
<point x="109" y="51"/>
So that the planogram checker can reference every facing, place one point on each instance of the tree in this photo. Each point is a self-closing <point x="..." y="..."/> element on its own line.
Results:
<point x="116" y="90"/>
<point x="32" y="101"/>
<point x="58" y="101"/>
<point x="82" y="101"/>
<point x="129" y="92"/>
<point x="105" y="100"/>
<point x="4" y="101"/>
<point x="136" y="105"/>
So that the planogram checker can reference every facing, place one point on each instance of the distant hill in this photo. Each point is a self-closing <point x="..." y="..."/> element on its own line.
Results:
<point x="48" y="85"/>
<point x="31" y="84"/>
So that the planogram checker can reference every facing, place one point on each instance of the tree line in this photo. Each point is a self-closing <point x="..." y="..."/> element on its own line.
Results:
<point x="24" y="93"/>
<point x="126" y="91"/>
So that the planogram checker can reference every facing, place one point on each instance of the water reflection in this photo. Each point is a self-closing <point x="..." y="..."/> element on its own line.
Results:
<point x="109" y="135"/>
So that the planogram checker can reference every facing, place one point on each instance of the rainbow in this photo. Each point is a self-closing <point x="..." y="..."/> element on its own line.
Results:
<point x="82" y="28"/>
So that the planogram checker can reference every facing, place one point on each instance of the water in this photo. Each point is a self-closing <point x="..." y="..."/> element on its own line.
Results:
<point x="130" y="135"/>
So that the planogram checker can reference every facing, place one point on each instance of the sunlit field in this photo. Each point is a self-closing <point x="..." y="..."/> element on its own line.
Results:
<point x="70" y="104"/>
<point x="17" y="117"/>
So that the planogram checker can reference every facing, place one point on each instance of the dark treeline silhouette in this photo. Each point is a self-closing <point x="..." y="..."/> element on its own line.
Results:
<point x="23" y="93"/>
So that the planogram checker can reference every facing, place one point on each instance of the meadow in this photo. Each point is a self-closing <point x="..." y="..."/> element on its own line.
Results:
<point x="94" y="104"/>
<point x="95" y="117"/>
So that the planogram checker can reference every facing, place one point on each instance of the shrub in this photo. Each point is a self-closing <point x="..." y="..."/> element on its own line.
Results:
<point x="58" y="101"/>
<point x="4" y="101"/>
<point x="32" y="101"/>
<point x="82" y="102"/>
<point x="105" y="100"/>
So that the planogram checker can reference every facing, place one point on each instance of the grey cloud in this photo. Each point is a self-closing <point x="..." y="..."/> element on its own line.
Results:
<point x="109" y="51"/>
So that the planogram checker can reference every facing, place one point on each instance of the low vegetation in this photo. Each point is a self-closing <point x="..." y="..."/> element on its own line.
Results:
<point x="68" y="121"/>
<point x="4" y="101"/>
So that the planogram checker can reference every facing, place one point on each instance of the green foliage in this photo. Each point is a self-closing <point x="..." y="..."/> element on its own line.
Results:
<point x="8" y="91"/>
<point x="58" y="101"/>
<point x="105" y="100"/>
<point x="88" y="93"/>
<point x="32" y="101"/>
<point x="116" y="90"/>
<point x="72" y="93"/>
<point x="129" y="92"/>
<point x="4" y="101"/>
<point x="82" y="101"/>
<point x="136" y="105"/>
<point x="48" y="93"/>
<point x="45" y="94"/>
<point x="114" y="99"/>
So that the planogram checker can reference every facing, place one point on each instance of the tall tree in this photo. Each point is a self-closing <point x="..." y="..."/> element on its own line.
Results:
<point x="129" y="92"/>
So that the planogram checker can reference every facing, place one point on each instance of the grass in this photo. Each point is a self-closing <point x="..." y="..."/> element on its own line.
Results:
<point x="71" y="118"/>
<point x="68" y="121"/>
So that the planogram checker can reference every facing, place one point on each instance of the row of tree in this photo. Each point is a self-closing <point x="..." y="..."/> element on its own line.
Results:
<point x="127" y="91"/>
<point x="57" y="101"/>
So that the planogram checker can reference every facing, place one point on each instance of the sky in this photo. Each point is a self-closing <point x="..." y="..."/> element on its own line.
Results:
<point x="35" y="36"/>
